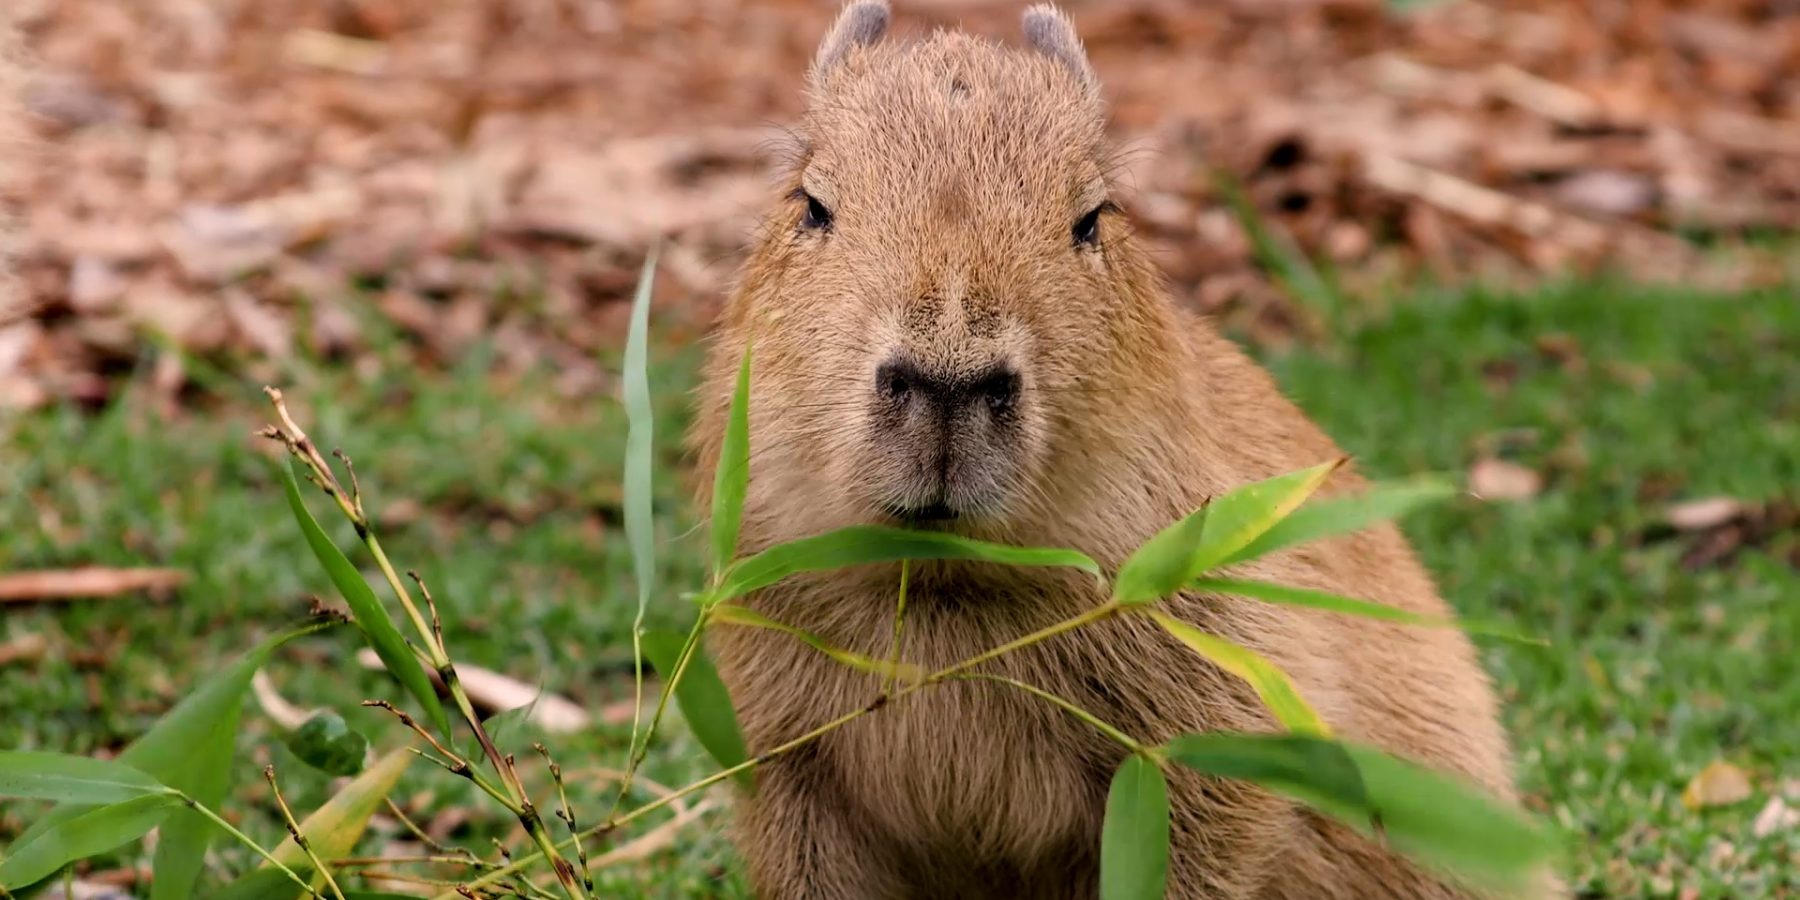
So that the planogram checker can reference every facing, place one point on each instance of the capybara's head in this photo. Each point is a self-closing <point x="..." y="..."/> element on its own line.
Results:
<point x="946" y="299"/>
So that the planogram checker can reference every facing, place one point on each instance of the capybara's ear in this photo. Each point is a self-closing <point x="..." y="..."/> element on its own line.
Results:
<point x="861" y="23"/>
<point x="1049" y="31"/>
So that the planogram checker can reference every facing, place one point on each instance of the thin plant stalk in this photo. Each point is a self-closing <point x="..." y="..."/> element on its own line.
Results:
<point x="300" y="840"/>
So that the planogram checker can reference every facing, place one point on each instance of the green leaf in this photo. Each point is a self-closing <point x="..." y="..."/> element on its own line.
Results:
<point x="1433" y="818"/>
<point x="1163" y="564"/>
<point x="1343" y="515"/>
<point x="1134" y="840"/>
<point x="1240" y="516"/>
<point x="326" y="743"/>
<point x="64" y="777"/>
<point x="1315" y="771"/>
<point x="1451" y="825"/>
<point x="640" y="524"/>
<point x="1291" y="596"/>
<point x="732" y="479"/>
<point x="863" y="544"/>
<point x="704" y="700"/>
<point x="190" y="749"/>
<point x="332" y="830"/>
<point x="368" y="612"/>
<point x="88" y="834"/>
<point x="1271" y="684"/>
<point x="733" y="614"/>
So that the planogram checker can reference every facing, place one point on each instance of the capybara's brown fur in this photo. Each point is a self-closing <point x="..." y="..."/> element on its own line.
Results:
<point x="948" y="210"/>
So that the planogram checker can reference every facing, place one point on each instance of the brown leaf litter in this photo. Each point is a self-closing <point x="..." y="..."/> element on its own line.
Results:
<point x="248" y="180"/>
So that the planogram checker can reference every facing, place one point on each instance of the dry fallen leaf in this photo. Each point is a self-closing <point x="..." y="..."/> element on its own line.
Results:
<point x="1776" y="816"/>
<point x="1709" y="512"/>
<point x="1497" y="479"/>
<point x="92" y="581"/>
<point x="490" y="690"/>
<point x="1719" y="784"/>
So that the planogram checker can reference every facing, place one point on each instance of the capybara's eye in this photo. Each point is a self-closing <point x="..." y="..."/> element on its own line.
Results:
<point x="1087" y="228"/>
<point x="817" y="217"/>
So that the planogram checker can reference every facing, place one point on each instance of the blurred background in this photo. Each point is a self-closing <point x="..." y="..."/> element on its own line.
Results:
<point x="1547" y="245"/>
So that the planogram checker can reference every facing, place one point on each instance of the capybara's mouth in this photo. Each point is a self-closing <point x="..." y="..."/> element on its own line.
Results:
<point x="926" y="516"/>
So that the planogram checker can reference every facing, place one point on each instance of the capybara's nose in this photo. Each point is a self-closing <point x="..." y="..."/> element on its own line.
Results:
<point x="908" y="387"/>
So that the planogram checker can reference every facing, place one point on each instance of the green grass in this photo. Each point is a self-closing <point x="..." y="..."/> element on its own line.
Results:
<point x="1655" y="669"/>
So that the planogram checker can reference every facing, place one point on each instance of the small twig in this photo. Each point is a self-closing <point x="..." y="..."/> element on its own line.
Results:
<point x="293" y="827"/>
<point x="357" y="862"/>
<point x="355" y="488"/>
<point x="437" y="622"/>
<point x="1121" y="737"/>
<point x="457" y="764"/>
<point x="246" y="840"/>
<point x="431" y="843"/>
<point x="891" y="678"/>
<point x="567" y="814"/>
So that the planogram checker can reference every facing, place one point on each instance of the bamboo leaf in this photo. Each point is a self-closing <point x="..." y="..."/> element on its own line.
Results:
<point x="640" y="524"/>
<point x="1433" y="818"/>
<point x="732" y="480"/>
<point x="332" y="830"/>
<point x="190" y="749"/>
<point x="370" y="616"/>
<point x="864" y="544"/>
<point x="1134" y="839"/>
<point x="705" y="702"/>
<point x="1343" y="515"/>
<point x="1163" y="564"/>
<point x="64" y="777"/>
<point x="734" y="614"/>
<point x="87" y="834"/>
<point x="1318" y="772"/>
<point x="1238" y="517"/>
<point x="1271" y="684"/>
<point x="1292" y="596"/>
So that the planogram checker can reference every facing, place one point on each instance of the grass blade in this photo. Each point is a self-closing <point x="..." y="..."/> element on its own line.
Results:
<point x="863" y="544"/>
<point x="1343" y="515"/>
<point x="734" y="614"/>
<point x="1271" y="684"/>
<point x="1240" y="516"/>
<point x="1292" y="596"/>
<point x="1163" y="564"/>
<point x="370" y="616"/>
<point x="64" y="777"/>
<point x="705" y="702"/>
<point x="1134" y="839"/>
<point x="81" y="836"/>
<point x="640" y="449"/>
<point x="733" y="477"/>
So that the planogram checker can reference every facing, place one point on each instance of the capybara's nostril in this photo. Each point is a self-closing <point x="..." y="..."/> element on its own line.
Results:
<point x="999" y="389"/>
<point x="897" y="380"/>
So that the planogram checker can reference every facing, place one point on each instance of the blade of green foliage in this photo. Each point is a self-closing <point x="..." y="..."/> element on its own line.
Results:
<point x="190" y="749"/>
<point x="1430" y="817"/>
<point x="1272" y="685"/>
<point x="863" y="544"/>
<point x="328" y="744"/>
<point x="370" y="616"/>
<point x="64" y="777"/>
<point x="640" y="525"/>
<point x="1163" y="564"/>
<point x="705" y="702"/>
<point x="1318" y="772"/>
<point x="1241" y="515"/>
<point x="733" y="476"/>
<point x="1134" y="839"/>
<point x="92" y="832"/>
<point x="1451" y="825"/>
<point x="1343" y="515"/>
<point x="332" y="830"/>
<point x="733" y="614"/>
<point x="1292" y="596"/>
